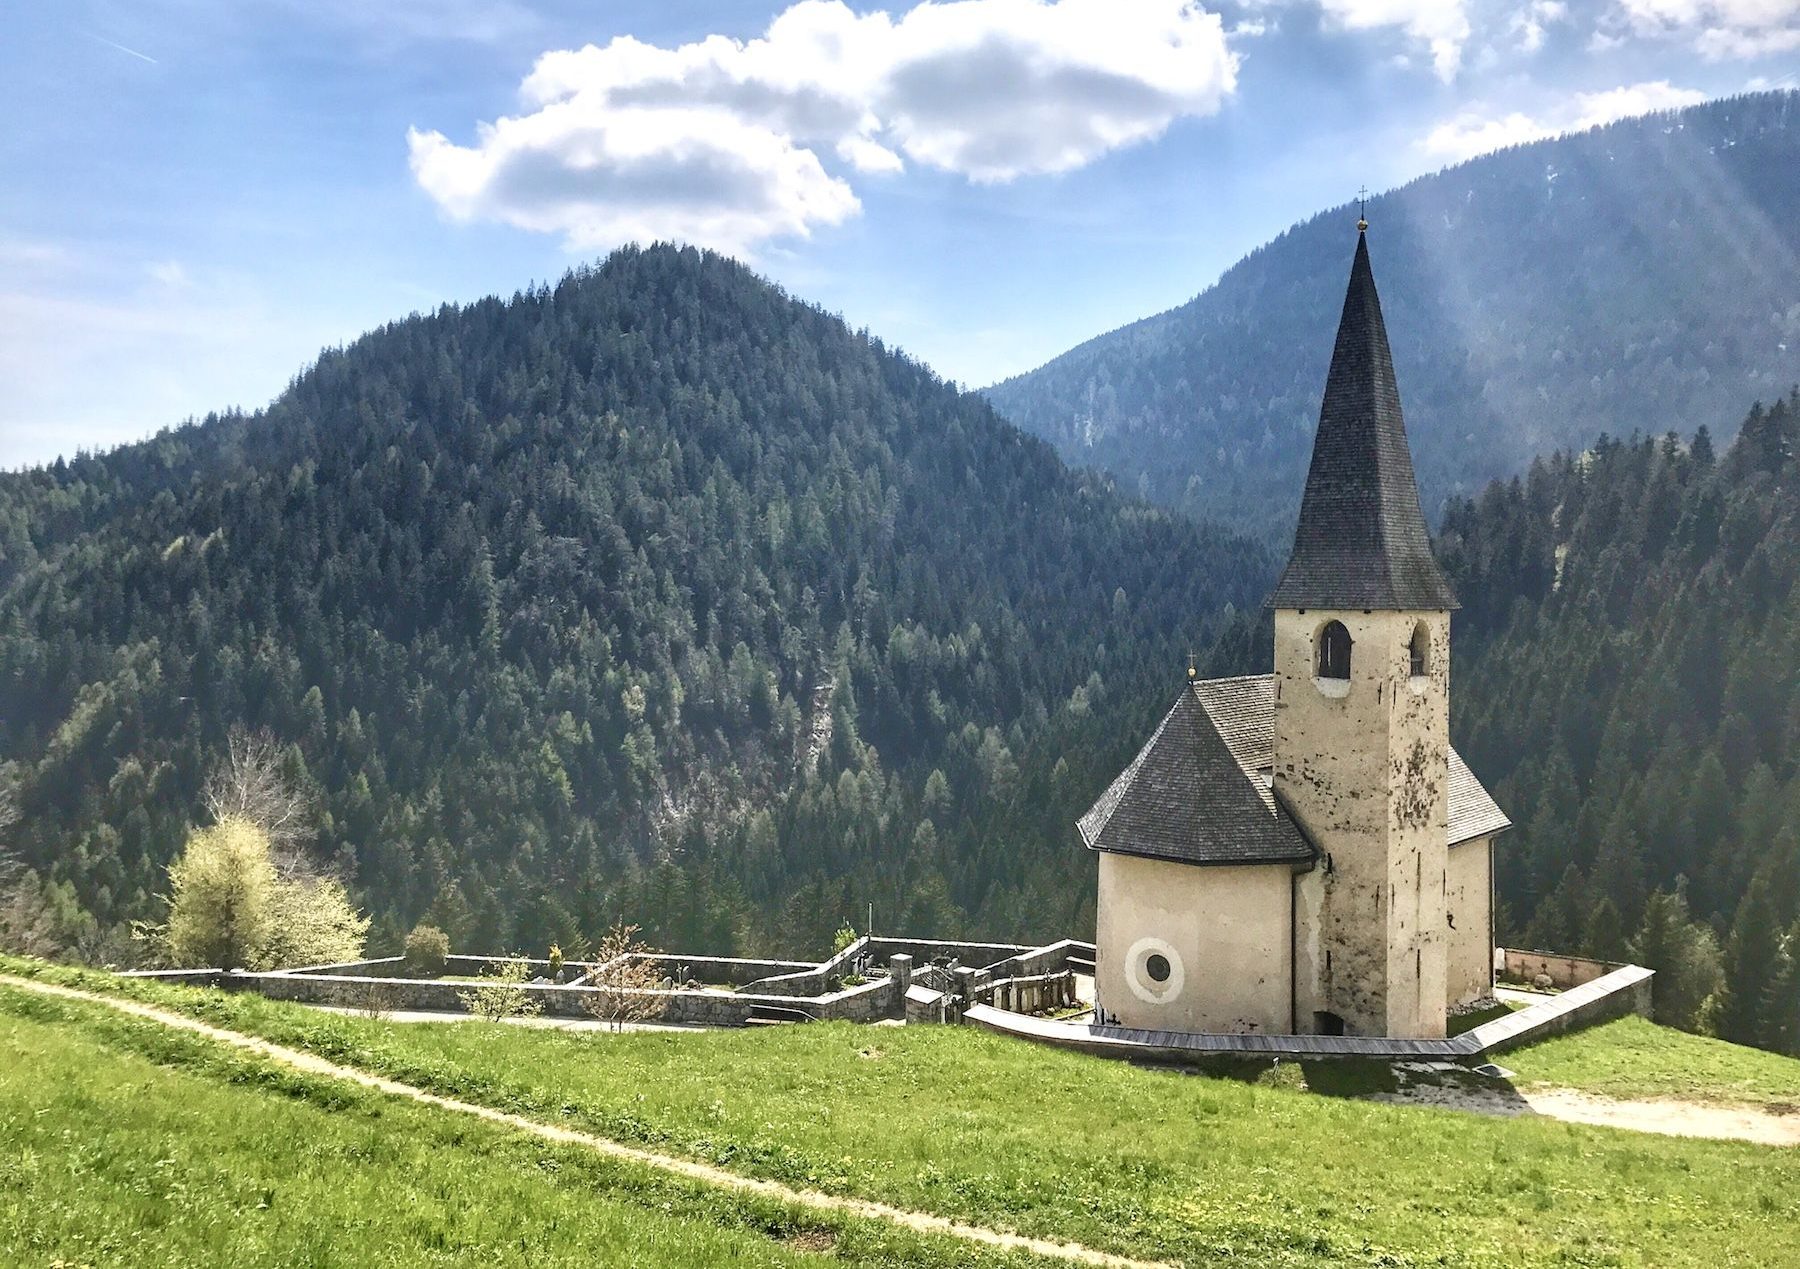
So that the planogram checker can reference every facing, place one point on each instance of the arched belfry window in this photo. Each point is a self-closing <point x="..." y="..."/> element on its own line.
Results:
<point x="1334" y="651"/>
<point x="1419" y="652"/>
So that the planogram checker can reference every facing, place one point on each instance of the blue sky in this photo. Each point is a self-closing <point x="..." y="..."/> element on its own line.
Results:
<point x="198" y="197"/>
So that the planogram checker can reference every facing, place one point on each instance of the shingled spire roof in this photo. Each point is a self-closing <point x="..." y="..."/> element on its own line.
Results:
<point x="1361" y="541"/>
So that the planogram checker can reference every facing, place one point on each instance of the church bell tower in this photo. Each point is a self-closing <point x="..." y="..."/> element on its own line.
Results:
<point x="1362" y="703"/>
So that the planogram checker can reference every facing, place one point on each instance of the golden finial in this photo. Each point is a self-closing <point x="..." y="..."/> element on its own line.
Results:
<point x="1362" y="209"/>
<point x="1192" y="672"/>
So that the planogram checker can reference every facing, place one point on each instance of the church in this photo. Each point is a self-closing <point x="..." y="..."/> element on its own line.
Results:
<point x="1304" y="852"/>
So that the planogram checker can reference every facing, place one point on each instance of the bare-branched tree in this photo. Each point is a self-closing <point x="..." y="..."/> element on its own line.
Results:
<point x="248" y="783"/>
<point x="499" y="995"/>
<point x="625" y="981"/>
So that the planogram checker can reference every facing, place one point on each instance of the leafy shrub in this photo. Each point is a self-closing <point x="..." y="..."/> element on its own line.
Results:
<point x="230" y="906"/>
<point x="427" y="951"/>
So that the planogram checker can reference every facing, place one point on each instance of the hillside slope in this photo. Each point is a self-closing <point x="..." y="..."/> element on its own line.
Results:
<point x="1644" y="275"/>
<point x="656" y="593"/>
<point x="1160" y="1165"/>
<point x="156" y="1148"/>
<point x="1625" y="685"/>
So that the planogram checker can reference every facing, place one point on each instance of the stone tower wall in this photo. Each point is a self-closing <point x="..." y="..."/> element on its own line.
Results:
<point x="1364" y="765"/>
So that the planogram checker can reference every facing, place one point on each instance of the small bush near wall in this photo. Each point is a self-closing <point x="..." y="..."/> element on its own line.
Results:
<point x="500" y="998"/>
<point x="427" y="951"/>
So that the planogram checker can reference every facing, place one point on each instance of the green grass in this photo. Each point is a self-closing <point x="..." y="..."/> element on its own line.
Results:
<point x="1145" y="1162"/>
<point x="1632" y="1058"/>
<point x="126" y="1143"/>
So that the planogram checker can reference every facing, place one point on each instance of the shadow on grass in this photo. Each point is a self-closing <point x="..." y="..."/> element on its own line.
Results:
<point x="1459" y="1023"/>
<point x="1435" y="1083"/>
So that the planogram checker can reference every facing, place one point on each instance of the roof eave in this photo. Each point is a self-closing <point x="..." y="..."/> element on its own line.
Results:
<point x="1486" y="832"/>
<point x="1298" y="863"/>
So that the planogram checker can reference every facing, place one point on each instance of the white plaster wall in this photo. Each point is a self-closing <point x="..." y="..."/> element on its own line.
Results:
<point x="1468" y="897"/>
<point x="1366" y="771"/>
<point x="1312" y="969"/>
<point x="1225" y="929"/>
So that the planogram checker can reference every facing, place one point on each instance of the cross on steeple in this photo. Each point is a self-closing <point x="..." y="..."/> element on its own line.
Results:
<point x="1362" y="209"/>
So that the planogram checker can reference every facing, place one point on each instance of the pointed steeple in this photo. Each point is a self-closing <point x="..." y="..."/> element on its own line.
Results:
<point x="1361" y="541"/>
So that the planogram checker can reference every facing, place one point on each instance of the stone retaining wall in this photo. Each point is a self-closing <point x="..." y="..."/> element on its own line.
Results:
<point x="785" y="986"/>
<point x="980" y="955"/>
<point x="427" y="995"/>
<point x="1615" y="994"/>
<point x="486" y="966"/>
<point x="811" y="980"/>
<point x="1030" y="962"/>
<point x="187" y="977"/>
<point x="379" y="967"/>
<point x="468" y="966"/>
<point x="882" y="997"/>
<point x="723" y="971"/>
<point x="1623" y="991"/>
<point x="1031" y="993"/>
<point x="923" y="1004"/>
<point x="1563" y="972"/>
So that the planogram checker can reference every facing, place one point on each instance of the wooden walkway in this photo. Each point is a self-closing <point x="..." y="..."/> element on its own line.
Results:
<point x="1613" y="995"/>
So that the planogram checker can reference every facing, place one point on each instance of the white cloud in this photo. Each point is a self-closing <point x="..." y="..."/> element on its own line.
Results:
<point x="728" y="143"/>
<point x="1594" y="109"/>
<point x="169" y="273"/>
<point x="1441" y="25"/>
<point x="1530" y="22"/>
<point x="605" y="176"/>
<point x="1719" y="44"/>
<point x="1469" y="134"/>
<point x="1719" y="29"/>
<point x="1472" y="133"/>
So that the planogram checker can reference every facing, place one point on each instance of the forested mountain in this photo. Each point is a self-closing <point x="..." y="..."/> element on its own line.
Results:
<point x="653" y="594"/>
<point x="660" y="595"/>
<point x="1637" y="277"/>
<point x="1625" y="684"/>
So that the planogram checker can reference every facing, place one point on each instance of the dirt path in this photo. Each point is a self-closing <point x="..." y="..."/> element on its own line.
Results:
<point x="1669" y="1117"/>
<point x="923" y="1222"/>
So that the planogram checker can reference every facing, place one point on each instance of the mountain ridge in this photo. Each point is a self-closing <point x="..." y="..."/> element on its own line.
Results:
<point x="1528" y="298"/>
<point x="538" y="594"/>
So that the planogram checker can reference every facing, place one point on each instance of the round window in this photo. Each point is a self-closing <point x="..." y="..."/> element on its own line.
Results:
<point x="1153" y="970"/>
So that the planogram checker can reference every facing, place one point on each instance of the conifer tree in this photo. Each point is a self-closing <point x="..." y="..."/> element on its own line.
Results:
<point x="1685" y="956"/>
<point x="1754" y="957"/>
<point x="1781" y="1010"/>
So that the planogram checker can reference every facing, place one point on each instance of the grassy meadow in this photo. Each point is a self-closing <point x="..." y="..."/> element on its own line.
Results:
<point x="123" y="1142"/>
<point x="1144" y="1162"/>
<point x="1633" y="1058"/>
